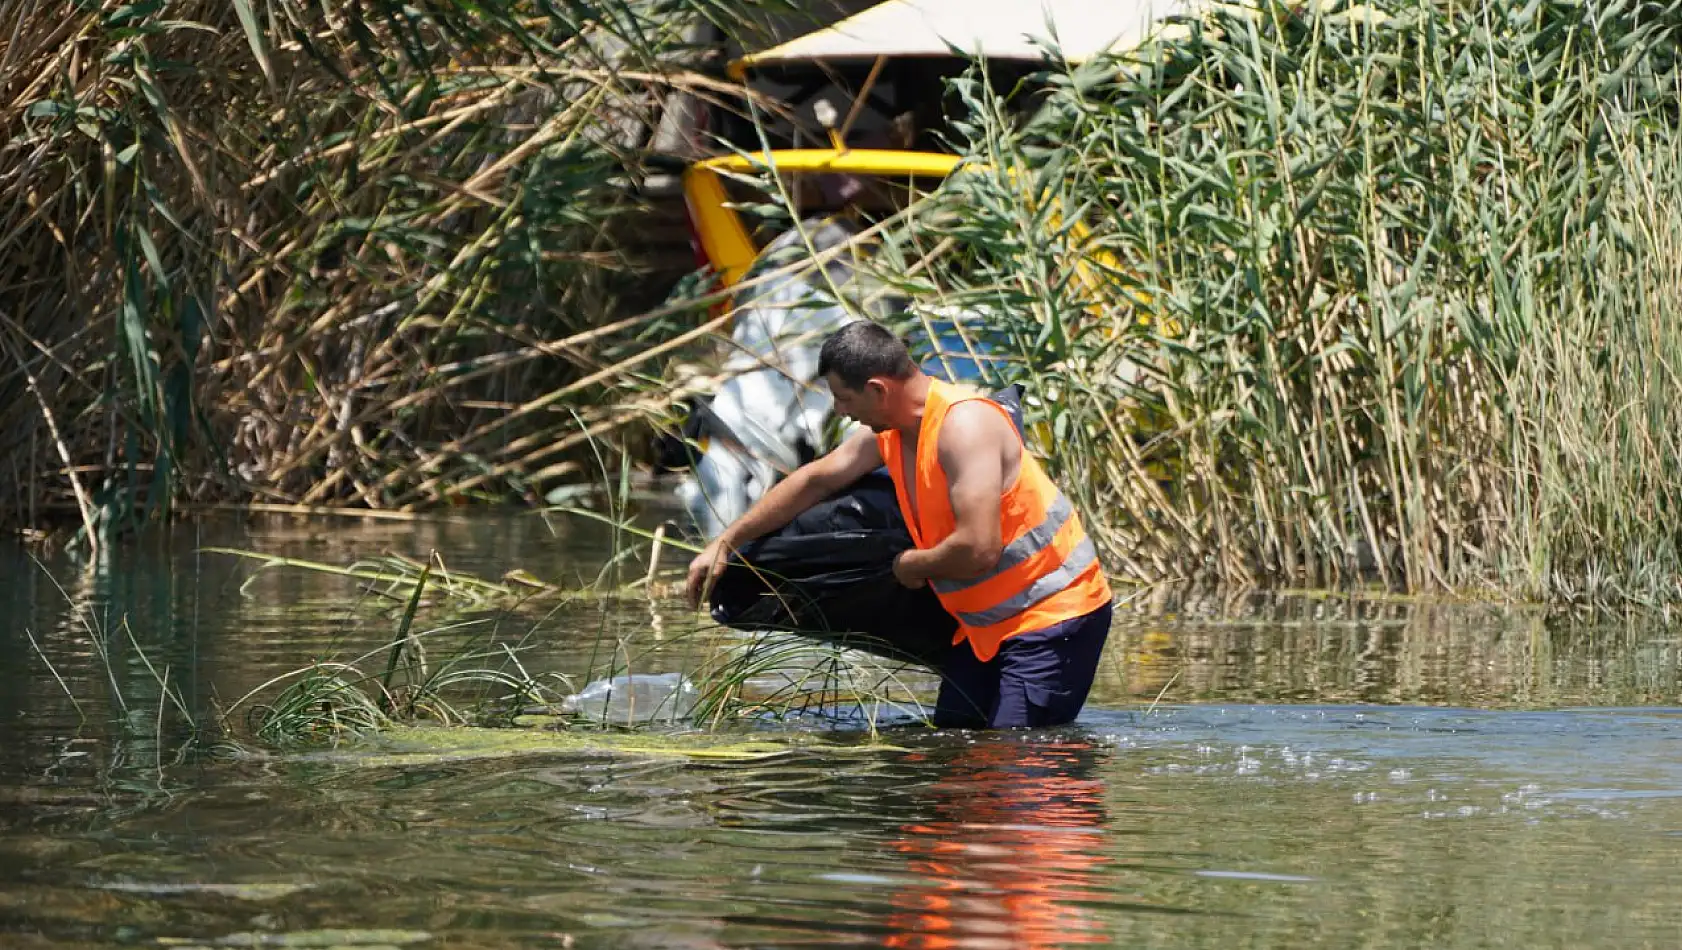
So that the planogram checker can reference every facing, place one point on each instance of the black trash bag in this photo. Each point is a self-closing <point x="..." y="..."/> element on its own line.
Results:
<point x="828" y="575"/>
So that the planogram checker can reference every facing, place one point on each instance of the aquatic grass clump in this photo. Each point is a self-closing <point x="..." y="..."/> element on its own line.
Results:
<point x="326" y="702"/>
<point x="1393" y="295"/>
<point x="330" y="700"/>
<point x="766" y="679"/>
<point x="669" y="675"/>
<point x="787" y="677"/>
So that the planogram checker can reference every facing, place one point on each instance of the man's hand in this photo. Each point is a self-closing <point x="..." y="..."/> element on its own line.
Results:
<point x="704" y="570"/>
<point x="906" y="572"/>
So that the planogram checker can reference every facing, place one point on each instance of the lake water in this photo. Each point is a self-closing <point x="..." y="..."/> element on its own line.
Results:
<point x="1251" y="771"/>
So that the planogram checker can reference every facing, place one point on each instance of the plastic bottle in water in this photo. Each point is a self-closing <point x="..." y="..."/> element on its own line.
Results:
<point x="635" y="697"/>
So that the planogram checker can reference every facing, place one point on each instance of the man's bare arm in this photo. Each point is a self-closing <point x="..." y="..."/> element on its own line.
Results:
<point x="806" y="486"/>
<point x="974" y="443"/>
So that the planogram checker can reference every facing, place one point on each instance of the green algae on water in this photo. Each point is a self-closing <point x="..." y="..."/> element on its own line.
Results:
<point x="253" y="891"/>
<point x="426" y="745"/>
<point x="312" y="939"/>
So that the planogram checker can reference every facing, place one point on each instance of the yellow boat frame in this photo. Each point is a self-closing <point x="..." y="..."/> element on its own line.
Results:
<point x="723" y="236"/>
<point x="725" y="239"/>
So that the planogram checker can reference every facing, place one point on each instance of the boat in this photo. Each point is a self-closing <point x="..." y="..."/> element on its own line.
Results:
<point x="855" y="137"/>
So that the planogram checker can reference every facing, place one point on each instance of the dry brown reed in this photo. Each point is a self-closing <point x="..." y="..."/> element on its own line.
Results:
<point x="324" y="254"/>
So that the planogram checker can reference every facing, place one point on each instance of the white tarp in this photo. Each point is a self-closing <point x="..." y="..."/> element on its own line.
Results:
<point x="996" y="29"/>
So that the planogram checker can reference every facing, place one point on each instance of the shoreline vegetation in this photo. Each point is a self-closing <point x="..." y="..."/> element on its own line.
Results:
<point x="429" y="663"/>
<point x="1394" y="300"/>
<point x="457" y="659"/>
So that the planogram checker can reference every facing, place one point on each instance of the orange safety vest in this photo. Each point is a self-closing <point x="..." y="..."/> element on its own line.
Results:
<point x="1048" y="571"/>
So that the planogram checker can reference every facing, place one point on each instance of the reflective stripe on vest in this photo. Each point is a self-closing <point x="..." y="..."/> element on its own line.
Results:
<point x="1082" y="557"/>
<point x="1030" y="543"/>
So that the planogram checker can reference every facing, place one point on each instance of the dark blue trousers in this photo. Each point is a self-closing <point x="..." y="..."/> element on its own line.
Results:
<point x="1039" y="678"/>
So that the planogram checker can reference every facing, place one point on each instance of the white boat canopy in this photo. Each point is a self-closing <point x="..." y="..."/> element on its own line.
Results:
<point x="994" y="29"/>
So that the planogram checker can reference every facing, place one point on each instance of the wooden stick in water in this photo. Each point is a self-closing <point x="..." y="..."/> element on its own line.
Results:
<point x="654" y="558"/>
<point x="83" y="503"/>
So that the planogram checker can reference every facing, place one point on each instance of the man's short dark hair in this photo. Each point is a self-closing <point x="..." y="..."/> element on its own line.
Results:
<point x="862" y="351"/>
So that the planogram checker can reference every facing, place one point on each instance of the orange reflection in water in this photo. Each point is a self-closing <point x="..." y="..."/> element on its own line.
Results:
<point x="1011" y="853"/>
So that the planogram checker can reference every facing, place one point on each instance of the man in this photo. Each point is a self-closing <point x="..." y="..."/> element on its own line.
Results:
<point x="1000" y="545"/>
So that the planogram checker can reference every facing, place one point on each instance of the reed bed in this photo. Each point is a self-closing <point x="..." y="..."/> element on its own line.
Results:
<point x="1330" y="295"/>
<point x="1308" y="294"/>
<point x="328" y="253"/>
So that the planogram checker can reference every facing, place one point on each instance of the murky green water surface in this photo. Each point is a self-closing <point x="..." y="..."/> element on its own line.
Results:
<point x="1317" y="773"/>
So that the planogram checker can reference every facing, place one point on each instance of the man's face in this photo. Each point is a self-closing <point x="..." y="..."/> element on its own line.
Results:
<point x="866" y="406"/>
